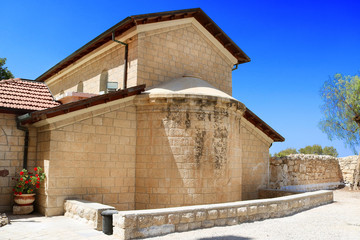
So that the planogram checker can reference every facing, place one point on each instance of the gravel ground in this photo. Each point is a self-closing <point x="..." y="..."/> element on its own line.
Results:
<point x="339" y="220"/>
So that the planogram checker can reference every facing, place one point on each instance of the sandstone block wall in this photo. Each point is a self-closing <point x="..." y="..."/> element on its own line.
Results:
<point x="304" y="172"/>
<point x="255" y="160"/>
<point x="155" y="56"/>
<point x="91" y="157"/>
<point x="109" y="64"/>
<point x="188" y="151"/>
<point x="173" y="52"/>
<point x="348" y="166"/>
<point x="86" y="211"/>
<point x="11" y="157"/>
<point x="156" y="222"/>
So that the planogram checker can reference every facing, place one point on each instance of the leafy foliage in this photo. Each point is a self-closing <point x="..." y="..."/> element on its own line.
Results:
<point x="286" y="152"/>
<point x="330" y="151"/>
<point x="4" y="72"/>
<point x="27" y="182"/>
<point x="314" y="149"/>
<point x="341" y="109"/>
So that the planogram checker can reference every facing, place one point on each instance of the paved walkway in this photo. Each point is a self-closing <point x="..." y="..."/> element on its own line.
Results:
<point x="337" y="221"/>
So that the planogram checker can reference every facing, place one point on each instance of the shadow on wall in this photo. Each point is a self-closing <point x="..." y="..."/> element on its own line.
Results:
<point x="230" y="237"/>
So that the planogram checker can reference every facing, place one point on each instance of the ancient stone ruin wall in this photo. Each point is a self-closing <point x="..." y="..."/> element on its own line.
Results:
<point x="188" y="151"/>
<point x="304" y="172"/>
<point x="348" y="166"/>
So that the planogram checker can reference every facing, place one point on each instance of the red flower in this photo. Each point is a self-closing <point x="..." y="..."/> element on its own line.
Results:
<point x="19" y="186"/>
<point x="38" y="179"/>
<point x="21" y="173"/>
<point x="35" y="169"/>
<point x="37" y="182"/>
<point x="21" y="179"/>
<point x="37" y="185"/>
<point x="20" y="193"/>
<point x="13" y="189"/>
<point x="31" y="190"/>
<point x="26" y="182"/>
<point x="15" y="193"/>
<point x="37" y="175"/>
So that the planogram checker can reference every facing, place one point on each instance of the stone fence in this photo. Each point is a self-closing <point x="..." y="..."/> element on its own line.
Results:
<point x="305" y="172"/>
<point x="156" y="222"/>
<point x="348" y="166"/>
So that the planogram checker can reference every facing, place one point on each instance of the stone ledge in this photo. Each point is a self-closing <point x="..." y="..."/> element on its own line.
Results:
<point x="86" y="211"/>
<point x="156" y="222"/>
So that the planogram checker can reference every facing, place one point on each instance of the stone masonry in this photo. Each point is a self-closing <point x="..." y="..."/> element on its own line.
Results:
<point x="11" y="157"/>
<point x="302" y="172"/>
<point x="188" y="151"/>
<point x="90" y="156"/>
<point x="348" y="166"/>
<point x="156" y="222"/>
<point x="154" y="56"/>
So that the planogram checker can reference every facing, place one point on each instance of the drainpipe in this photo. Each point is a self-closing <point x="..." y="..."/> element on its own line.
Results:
<point x="26" y="140"/>
<point x="125" y="59"/>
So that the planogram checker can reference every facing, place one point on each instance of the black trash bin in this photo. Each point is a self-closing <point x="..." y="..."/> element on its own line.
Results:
<point x="107" y="226"/>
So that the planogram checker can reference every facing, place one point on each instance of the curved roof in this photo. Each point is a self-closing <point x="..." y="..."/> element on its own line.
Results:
<point x="187" y="85"/>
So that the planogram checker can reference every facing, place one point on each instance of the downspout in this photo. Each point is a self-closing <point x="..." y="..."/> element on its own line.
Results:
<point x="26" y="140"/>
<point x="125" y="59"/>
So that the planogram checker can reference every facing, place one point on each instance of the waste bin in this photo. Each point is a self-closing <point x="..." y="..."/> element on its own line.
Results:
<point x="107" y="226"/>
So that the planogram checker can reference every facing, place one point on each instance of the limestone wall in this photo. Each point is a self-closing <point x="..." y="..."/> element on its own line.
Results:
<point x="155" y="56"/>
<point x="175" y="51"/>
<point x="90" y="156"/>
<point x="156" y="222"/>
<point x="11" y="157"/>
<point x="348" y="166"/>
<point x="188" y="151"/>
<point x="109" y="65"/>
<point x="255" y="160"/>
<point x="304" y="172"/>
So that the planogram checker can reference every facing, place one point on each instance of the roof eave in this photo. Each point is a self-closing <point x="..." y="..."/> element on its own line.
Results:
<point x="134" y="20"/>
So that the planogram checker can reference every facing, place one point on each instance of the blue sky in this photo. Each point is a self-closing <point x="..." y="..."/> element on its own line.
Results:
<point x="294" y="46"/>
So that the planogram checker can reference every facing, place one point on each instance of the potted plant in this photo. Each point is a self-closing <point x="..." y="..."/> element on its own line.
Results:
<point x="26" y="183"/>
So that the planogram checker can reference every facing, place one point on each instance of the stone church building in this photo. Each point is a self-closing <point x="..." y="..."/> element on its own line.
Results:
<point x="143" y="118"/>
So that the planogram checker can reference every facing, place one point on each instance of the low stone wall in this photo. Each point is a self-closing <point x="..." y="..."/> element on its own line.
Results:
<point x="348" y="166"/>
<point x="304" y="172"/>
<point x="86" y="211"/>
<point x="273" y="193"/>
<point x="156" y="222"/>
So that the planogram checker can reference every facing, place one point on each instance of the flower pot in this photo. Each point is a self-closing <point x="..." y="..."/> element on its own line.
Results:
<point x="24" y="199"/>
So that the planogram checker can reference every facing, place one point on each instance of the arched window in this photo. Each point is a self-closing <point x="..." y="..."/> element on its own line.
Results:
<point x="80" y="87"/>
<point x="104" y="76"/>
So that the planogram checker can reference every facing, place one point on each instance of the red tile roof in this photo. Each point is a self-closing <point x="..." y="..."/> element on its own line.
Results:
<point x="18" y="94"/>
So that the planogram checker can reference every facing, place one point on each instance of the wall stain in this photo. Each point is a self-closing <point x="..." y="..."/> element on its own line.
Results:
<point x="220" y="146"/>
<point x="199" y="144"/>
<point x="187" y="121"/>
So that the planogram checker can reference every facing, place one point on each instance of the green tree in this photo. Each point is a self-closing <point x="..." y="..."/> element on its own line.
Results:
<point x="341" y="109"/>
<point x="314" y="149"/>
<point x="330" y="151"/>
<point x="4" y="72"/>
<point x="285" y="152"/>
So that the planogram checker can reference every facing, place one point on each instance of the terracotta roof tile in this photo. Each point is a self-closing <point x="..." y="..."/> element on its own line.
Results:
<point x="25" y="95"/>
